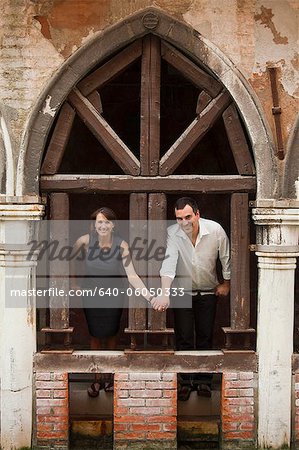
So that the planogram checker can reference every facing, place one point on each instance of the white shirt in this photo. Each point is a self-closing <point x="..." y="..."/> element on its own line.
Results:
<point x="195" y="266"/>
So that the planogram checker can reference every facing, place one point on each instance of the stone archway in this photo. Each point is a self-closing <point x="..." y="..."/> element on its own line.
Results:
<point x="113" y="39"/>
<point x="291" y="169"/>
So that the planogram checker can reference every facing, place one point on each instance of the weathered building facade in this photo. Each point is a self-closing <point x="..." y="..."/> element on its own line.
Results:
<point x="58" y="60"/>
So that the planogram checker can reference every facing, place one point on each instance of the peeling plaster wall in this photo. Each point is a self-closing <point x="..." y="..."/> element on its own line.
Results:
<point x="37" y="36"/>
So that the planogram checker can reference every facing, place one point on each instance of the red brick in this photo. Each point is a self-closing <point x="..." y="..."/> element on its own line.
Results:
<point x="60" y="377"/>
<point x="145" y="410"/>
<point x="40" y="426"/>
<point x="239" y="435"/>
<point x="170" y="394"/>
<point x="246" y="409"/>
<point x="170" y="426"/>
<point x="129" y="385"/>
<point x="120" y="427"/>
<point x="60" y="393"/>
<point x="43" y="376"/>
<point x="131" y="402"/>
<point x="43" y="393"/>
<point x="50" y="402"/>
<point x="52" y="434"/>
<point x="61" y="426"/>
<point x="169" y="411"/>
<point x="158" y="385"/>
<point x="143" y="376"/>
<point x="246" y="393"/>
<point x="145" y="427"/>
<point x="161" y="419"/>
<point x="160" y="402"/>
<point x="230" y="426"/>
<point x="240" y="401"/>
<point x="231" y="393"/>
<point x="50" y="385"/>
<point x="146" y="393"/>
<point x="239" y="384"/>
<point x="129" y="419"/>
<point x="44" y="410"/>
<point x="119" y="410"/>
<point x="60" y="410"/>
<point x="239" y="418"/>
<point x="170" y="376"/>
<point x="161" y="435"/>
<point x="123" y="393"/>
<point x="247" y="426"/>
<point x="54" y="419"/>
<point x="230" y="376"/>
<point x="246" y="375"/>
<point x="230" y="409"/>
<point x="121" y="377"/>
<point x="130" y="435"/>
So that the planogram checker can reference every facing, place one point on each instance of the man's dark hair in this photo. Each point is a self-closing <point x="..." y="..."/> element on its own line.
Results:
<point x="183" y="201"/>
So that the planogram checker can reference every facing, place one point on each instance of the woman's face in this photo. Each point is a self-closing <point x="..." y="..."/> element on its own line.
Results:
<point x="103" y="226"/>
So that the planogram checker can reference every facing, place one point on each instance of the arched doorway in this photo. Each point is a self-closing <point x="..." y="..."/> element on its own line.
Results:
<point x="144" y="126"/>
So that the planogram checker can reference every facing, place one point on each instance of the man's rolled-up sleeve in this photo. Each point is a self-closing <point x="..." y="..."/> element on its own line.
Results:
<point x="224" y="253"/>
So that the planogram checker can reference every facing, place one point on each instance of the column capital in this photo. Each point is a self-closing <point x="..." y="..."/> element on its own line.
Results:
<point x="33" y="211"/>
<point x="276" y="216"/>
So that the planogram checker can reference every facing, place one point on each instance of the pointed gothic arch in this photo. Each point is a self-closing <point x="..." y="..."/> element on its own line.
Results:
<point x="112" y="40"/>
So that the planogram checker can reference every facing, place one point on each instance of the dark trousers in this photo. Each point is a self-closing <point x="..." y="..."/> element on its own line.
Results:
<point x="194" y="328"/>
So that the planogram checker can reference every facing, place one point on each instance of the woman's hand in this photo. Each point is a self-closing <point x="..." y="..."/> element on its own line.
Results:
<point x="160" y="303"/>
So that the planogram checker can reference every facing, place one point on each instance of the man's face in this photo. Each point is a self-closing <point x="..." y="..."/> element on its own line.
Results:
<point x="187" y="219"/>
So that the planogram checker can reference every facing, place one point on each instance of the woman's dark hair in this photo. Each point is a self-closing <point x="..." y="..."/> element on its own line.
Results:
<point x="107" y="212"/>
<point x="183" y="201"/>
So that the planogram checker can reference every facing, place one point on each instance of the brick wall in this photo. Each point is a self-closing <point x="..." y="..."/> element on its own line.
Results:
<point x="52" y="410"/>
<point x="296" y="413"/>
<point x="145" y="409"/>
<point x="237" y="409"/>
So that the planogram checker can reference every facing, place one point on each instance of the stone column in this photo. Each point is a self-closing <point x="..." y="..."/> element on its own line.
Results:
<point x="277" y="248"/>
<point x="18" y="226"/>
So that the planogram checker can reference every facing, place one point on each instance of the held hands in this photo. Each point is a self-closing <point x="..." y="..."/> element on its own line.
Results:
<point x="160" y="303"/>
<point x="222" y="290"/>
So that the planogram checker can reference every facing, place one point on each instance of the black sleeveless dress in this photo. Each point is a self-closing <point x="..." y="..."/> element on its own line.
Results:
<point x="104" y="274"/>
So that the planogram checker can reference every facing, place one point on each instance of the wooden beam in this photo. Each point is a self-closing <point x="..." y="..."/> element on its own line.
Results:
<point x="111" y="69"/>
<point x="190" y="70"/>
<point x="59" y="140"/>
<point x="237" y="140"/>
<point x="193" y="134"/>
<point x="95" y="100"/>
<point x="157" y="211"/>
<point x="104" y="133"/>
<point x="59" y="269"/>
<point x="126" y="183"/>
<point x="202" y="102"/>
<point x="186" y="362"/>
<point x="240" y="269"/>
<point x="150" y="106"/>
<point x="138" y="230"/>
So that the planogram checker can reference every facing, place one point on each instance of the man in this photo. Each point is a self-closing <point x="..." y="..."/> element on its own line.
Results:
<point x="193" y="247"/>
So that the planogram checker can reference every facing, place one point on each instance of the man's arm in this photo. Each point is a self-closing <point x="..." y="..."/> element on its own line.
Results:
<point x="162" y="302"/>
<point x="224" y="256"/>
<point x="167" y="274"/>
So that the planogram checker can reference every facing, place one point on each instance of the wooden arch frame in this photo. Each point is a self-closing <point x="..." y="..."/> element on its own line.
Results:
<point x="113" y="39"/>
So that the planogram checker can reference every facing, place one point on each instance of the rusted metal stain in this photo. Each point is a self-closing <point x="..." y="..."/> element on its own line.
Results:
<point x="45" y="27"/>
<point x="266" y="19"/>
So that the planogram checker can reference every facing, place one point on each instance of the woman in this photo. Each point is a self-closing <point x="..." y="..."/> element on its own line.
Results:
<point x="107" y="259"/>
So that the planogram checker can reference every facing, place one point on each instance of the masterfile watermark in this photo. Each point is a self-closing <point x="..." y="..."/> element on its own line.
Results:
<point x="77" y="265"/>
